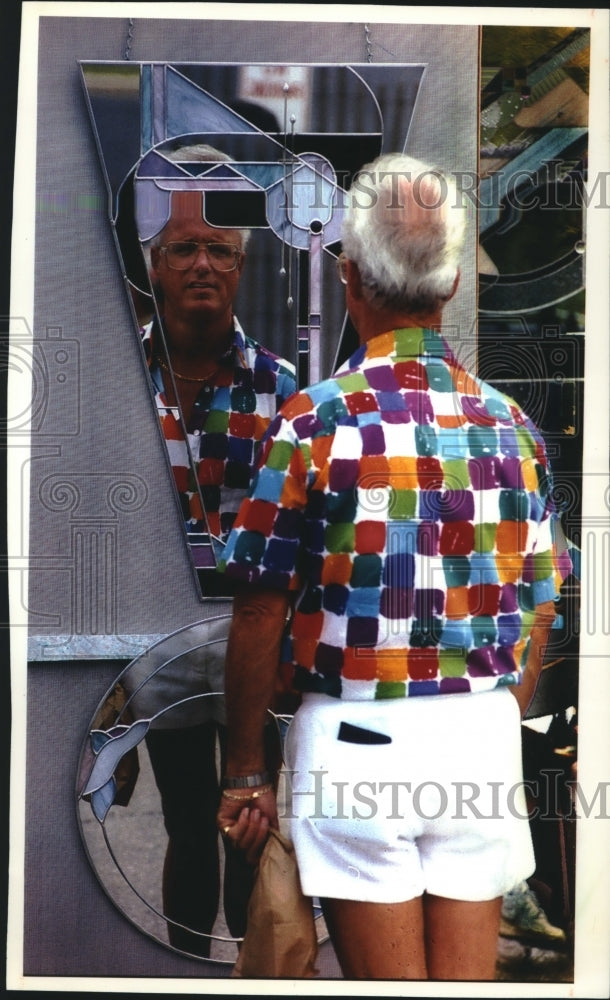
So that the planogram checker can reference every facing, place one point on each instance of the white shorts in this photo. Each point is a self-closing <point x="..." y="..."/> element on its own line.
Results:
<point x="439" y="807"/>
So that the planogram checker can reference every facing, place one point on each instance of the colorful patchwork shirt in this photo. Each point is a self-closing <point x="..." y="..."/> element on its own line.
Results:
<point x="409" y="505"/>
<point x="223" y="431"/>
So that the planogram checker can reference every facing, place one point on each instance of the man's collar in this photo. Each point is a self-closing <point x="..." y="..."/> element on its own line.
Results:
<point x="150" y="332"/>
<point x="406" y="342"/>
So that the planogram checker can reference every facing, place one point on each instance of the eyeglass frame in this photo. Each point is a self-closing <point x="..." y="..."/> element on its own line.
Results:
<point x="237" y="254"/>
<point x="340" y="264"/>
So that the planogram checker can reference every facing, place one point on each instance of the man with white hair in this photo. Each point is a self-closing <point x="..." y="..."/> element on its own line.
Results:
<point x="401" y="511"/>
<point x="216" y="391"/>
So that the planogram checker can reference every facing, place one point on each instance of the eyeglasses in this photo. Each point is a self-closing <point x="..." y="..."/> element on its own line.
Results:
<point x="181" y="254"/>
<point x="341" y="270"/>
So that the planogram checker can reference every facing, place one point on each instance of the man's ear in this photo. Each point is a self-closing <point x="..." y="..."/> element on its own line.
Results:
<point x="455" y="285"/>
<point x="354" y="281"/>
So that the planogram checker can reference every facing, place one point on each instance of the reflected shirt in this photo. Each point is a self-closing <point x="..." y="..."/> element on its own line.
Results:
<point x="230" y="416"/>
<point x="409" y="505"/>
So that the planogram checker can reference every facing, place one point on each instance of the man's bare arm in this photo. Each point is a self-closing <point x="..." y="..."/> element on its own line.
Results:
<point x="253" y="653"/>
<point x="524" y="692"/>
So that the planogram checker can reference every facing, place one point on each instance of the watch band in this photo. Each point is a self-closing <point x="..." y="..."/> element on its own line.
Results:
<point x="247" y="780"/>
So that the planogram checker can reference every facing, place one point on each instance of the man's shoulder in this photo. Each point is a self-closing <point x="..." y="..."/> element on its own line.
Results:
<point x="504" y="409"/>
<point x="258" y="352"/>
<point x="328" y="394"/>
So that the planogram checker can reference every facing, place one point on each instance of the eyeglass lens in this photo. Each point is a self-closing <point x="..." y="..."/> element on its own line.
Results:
<point x="181" y="254"/>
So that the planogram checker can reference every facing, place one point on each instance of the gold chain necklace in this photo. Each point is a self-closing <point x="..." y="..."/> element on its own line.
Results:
<point x="189" y="378"/>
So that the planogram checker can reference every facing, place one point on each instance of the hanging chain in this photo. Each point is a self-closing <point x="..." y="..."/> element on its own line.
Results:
<point x="367" y="37"/>
<point x="129" y="41"/>
<point x="369" y="47"/>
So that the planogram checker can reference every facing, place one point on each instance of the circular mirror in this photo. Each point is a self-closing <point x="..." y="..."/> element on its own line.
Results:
<point x="148" y="791"/>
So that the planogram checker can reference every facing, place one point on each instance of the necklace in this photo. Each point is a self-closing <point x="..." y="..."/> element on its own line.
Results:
<point x="189" y="378"/>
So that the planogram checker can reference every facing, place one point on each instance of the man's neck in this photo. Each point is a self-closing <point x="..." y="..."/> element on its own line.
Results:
<point x="373" y="322"/>
<point x="191" y="344"/>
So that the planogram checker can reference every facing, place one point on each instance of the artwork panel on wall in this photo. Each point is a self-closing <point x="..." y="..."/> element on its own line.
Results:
<point x="268" y="150"/>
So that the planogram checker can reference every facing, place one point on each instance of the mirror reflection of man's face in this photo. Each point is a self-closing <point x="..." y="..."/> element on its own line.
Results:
<point x="200" y="292"/>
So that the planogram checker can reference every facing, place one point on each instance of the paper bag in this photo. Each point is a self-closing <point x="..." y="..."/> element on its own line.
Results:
<point x="280" y="938"/>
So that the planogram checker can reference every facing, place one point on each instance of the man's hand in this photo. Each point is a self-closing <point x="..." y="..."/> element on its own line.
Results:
<point x="245" y="825"/>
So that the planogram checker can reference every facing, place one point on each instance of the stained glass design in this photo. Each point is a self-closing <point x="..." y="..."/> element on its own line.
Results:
<point x="295" y="136"/>
<point x="533" y="168"/>
<point x="119" y="805"/>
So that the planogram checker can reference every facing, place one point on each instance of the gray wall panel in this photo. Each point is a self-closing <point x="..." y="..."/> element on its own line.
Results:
<point x="71" y="926"/>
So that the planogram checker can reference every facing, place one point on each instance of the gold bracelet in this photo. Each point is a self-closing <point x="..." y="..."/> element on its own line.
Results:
<point x="246" y="798"/>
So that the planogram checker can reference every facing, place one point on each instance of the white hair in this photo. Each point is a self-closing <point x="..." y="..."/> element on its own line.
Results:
<point x="404" y="228"/>
<point x="198" y="152"/>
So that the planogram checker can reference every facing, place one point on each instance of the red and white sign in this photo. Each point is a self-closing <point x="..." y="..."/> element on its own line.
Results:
<point x="284" y="90"/>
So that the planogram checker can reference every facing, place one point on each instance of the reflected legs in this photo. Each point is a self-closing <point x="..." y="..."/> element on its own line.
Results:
<point x="429" y="937"/>
<point x="184" y="765"/>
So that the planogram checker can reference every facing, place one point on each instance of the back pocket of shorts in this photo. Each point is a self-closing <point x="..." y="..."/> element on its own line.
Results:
<point x="349" y="733"/>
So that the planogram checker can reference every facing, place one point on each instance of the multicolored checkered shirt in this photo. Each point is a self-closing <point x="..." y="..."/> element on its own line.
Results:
<point x="223" y="430"/>
<point x="409" y="505"/>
